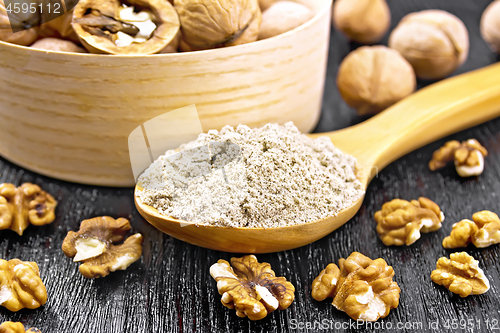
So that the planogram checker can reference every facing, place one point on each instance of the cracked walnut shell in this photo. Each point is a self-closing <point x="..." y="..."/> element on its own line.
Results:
<point x="11" y="327"/>
<point x="461" y="275"/>
<point x="400" y="222"/>
<point x="372" y="78"/>
<point x="23" y="205"/>
<point x="361" y="287"/>
<point x="482" y="231"/>
<point x="468" y="156"/>
<point x="434" y="42"/>
<point x="251" y="288"/>
<point x="94" y="246"/>
<point x="115" y="26"/>
<point x="20" y="285"/>
<point x="208" y="24"/>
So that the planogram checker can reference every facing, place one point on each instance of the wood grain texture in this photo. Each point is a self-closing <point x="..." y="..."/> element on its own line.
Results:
<point x="84" y="106"/>
<point x="170" y="289"/>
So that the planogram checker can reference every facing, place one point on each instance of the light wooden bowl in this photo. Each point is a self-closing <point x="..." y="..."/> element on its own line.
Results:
<point x="69" y="116"/>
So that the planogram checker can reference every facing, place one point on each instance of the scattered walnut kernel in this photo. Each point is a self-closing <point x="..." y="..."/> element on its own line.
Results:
<point x="483" y="231"/>
<point x="324" y="284"/>
<point x="461" y="275"/>
<point x="283" y="16"/>
<point x="362" y="288"/>
<point x="461" y="234"/>
<point x="94" y="245"/>
<point x="20" y="285"/>
<point x="363" y="21"/>
<point x="468" y="156"/>
<point x="370" y="79"/>
<point x="11" y="327"/>
<point x="251" y="288"/>
<point x="434" y="42"/>
<point x="400" y="222"/>
<point x="23" y="205"/>
<point x="208" y="24"/>
<point x="490" y="25"/>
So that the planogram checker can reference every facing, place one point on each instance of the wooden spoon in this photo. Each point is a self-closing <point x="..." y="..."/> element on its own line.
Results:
<point x="429" y="114"/>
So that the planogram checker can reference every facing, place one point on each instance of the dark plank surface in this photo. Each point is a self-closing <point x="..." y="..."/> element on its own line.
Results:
<point x="170" y="289"/>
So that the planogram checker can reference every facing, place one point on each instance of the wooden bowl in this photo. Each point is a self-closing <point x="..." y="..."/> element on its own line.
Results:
<point x="69" y="116"/>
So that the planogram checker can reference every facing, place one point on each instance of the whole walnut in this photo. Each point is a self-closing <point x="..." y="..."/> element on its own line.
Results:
<point x="372" y="78"/>
<point x="59" y="28"/>
<point x="208" y="24"/>
<point x="56" y="44"/>
<point x="434" y="42"/>
<point x="490" y="25"/>
<point x="22" y="37"/>
<point x="283" y="16"/>
<point x="363" y="21"/>
<point x="265" y="4"/>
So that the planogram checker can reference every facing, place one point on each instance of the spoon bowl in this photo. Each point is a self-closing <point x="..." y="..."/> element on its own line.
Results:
<point x="430" y="114"/>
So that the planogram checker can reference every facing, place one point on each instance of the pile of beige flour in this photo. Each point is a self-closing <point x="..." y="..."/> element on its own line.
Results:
<point x="266" y="177"/>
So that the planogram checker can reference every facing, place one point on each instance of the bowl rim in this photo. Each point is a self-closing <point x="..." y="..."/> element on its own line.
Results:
<point x="272" y="40"/>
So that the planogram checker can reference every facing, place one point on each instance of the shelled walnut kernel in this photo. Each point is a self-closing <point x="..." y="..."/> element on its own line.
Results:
<point x="461" y="275"/>
<point x="362" y="288"/>
<point x="20" y="285"/>
<point x="20" y="206"/>
<point x="482" y="231"/>
<point x="94" y="246"/>
<point x="468" y="156"/>
<point x="400" y="222"/>
<point x="251" y="288"/>
<point x="11" y="327"/>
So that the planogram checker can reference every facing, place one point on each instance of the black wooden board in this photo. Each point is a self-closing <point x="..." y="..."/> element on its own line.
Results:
<point x="170" y="289"/>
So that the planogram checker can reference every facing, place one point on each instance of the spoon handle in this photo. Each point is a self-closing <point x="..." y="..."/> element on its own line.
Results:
<point x="430" y="114"/>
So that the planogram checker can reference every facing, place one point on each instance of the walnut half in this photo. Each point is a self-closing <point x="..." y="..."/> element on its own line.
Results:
<point x="482" y="231"/>
<point x="20" y="206"/>
<point x="251" y="288"/>
<point x="361" y="287"/>
<point x="94" y="246"/>
<point x="461" y="275"/>
<point x="11" y="327"/>
<point x="468" y="156"/>
<point x="400" y="222"/>
<point x="20" y="285"/>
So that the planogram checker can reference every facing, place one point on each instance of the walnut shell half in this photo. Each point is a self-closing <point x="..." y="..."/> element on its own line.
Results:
<point x="99" y="23"/>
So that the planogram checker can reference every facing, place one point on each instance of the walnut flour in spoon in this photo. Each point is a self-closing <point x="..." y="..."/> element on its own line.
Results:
<point x="266" y="177"/>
